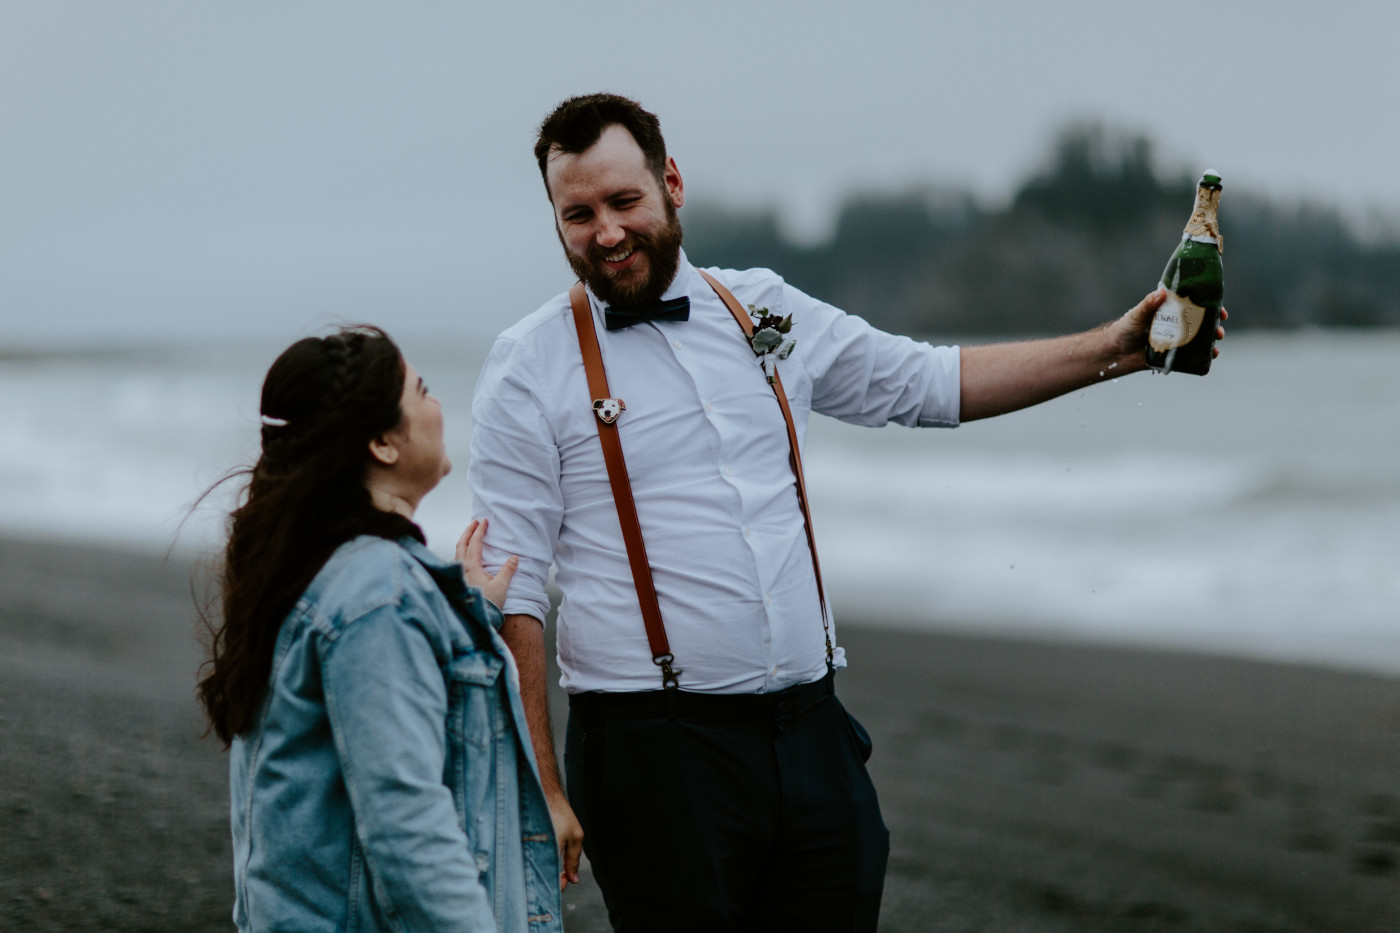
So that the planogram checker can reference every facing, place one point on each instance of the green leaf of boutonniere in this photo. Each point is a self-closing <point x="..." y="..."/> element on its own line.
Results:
<point x="770" y="341"/>
<point x="766" y="340"/>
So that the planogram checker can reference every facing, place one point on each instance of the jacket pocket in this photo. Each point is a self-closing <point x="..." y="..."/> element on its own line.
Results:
<point x="476" y="713"/>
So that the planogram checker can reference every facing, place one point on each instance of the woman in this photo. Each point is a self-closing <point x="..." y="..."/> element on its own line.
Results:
<point x="381" y="774"/>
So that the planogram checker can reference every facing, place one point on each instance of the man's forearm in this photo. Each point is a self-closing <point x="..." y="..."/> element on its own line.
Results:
<point x="1003" y="377"/>
<point x="524" y="635"/>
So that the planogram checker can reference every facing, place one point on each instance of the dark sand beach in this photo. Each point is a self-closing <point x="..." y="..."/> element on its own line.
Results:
<point x="1028" y="787"/>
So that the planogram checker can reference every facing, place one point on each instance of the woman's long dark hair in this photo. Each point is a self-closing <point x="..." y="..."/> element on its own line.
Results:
<point x="323" y="400"/>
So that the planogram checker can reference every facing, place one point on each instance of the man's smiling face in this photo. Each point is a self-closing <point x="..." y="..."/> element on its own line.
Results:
<point x="618" y="226"/>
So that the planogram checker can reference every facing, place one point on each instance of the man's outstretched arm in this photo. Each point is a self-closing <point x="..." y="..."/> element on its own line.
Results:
<point x="524" y="635"/>
<point x="1003" y="377"/>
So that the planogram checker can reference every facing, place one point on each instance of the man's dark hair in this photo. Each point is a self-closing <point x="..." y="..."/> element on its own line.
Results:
<point x="576" y="124"/>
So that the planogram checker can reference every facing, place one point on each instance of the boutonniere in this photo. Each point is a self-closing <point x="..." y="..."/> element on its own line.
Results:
<point x="770" y="339"/>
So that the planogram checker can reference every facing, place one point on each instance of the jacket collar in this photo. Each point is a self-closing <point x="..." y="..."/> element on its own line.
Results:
<point x="447" y="575"/>
<point x="450" y="579"/>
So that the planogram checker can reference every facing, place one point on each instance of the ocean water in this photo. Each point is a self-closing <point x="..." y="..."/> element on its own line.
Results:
<point x="1253" y="512"/>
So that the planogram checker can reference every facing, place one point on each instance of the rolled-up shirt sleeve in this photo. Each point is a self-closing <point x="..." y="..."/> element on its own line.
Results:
<point x="514" y="476"/>
<point x="865" y="376"/>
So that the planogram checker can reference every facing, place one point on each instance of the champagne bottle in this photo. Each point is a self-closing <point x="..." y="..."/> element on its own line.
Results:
<point x="1182" y="336"/>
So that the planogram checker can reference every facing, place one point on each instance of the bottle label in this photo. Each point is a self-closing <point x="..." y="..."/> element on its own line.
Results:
<point x="1176" y="324"/>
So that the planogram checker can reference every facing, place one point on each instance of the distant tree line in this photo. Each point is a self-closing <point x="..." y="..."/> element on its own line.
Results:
<point x="1086" y="238"/>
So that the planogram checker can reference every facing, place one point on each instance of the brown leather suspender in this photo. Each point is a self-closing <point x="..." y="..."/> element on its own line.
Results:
<point x="621" y="485"/>
<point x="608" y="409"/>
<point x="794" y="449"/>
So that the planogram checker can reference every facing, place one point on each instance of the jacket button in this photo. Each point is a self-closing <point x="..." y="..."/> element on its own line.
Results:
<point x="483" y="861"/>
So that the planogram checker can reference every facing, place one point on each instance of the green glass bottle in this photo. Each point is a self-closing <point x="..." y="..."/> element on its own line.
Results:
<point x="1182" y="336"/>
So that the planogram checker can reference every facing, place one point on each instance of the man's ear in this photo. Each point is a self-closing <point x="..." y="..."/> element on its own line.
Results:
<point x="675" y="186"/>
<point x="383" y="450"/>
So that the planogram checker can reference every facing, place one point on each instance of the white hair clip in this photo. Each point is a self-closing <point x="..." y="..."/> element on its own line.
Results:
<point x="272" y="422"/>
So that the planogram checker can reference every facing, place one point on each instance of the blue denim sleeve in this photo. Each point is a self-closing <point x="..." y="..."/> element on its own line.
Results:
<point x="387" y="705"/>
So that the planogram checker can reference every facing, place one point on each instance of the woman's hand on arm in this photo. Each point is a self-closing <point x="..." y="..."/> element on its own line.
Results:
<point x="469" y="550"/>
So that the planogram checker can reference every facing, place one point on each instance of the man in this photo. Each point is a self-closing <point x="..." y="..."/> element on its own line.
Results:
<point x="739" y="800"/>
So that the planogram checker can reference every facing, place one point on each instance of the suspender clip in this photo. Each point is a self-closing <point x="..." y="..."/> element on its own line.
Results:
<point x="670" y="677"/>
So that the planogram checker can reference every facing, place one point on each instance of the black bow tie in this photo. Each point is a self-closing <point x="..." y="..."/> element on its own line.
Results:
<point x="677" y="309"/>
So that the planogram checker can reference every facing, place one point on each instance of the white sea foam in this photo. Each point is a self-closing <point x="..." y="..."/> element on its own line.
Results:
<point x="1252" y="512"/>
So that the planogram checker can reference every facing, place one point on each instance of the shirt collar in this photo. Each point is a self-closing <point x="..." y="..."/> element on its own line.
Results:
<point x="680" y="285"/>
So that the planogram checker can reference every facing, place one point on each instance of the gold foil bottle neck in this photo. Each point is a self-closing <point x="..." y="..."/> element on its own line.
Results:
<point x="1203" y="221"/>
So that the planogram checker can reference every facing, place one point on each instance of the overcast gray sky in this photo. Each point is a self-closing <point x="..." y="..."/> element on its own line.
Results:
<point x="182" y="171"/>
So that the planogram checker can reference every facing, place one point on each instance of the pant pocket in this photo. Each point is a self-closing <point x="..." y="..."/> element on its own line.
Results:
<point x="861" y="737"/>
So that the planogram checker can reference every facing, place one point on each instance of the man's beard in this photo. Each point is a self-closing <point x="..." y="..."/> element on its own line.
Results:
<point x="663" y="254"/>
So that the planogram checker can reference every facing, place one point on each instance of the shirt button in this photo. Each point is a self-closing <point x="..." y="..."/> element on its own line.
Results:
<point x="678" y="344"/>
<point x="773" y="670"/>
<point x="747" y="531"/>
<point x="728" y="471"/>
<point x="767" y="599"/>
<point x="709" y="407"/>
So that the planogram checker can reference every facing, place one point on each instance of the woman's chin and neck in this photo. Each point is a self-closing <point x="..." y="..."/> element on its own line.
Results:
<point x="388" y="493"/>
<point x="386" y="501"/>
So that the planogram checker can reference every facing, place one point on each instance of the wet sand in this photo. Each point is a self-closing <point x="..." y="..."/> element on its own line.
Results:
<point x="1028" y="787"/>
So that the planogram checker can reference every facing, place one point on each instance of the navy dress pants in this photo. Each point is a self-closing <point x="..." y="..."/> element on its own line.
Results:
<point x="718" y="813"/>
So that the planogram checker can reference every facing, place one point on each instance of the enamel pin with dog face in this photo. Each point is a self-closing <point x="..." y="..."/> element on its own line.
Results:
<point x="607" y="409"/>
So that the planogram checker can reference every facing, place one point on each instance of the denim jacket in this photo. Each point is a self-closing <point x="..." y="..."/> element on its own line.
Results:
<point x="389" y="783"/>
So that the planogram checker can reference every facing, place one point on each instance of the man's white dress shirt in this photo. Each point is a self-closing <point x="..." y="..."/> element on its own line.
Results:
<point x="707" y="453"/>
